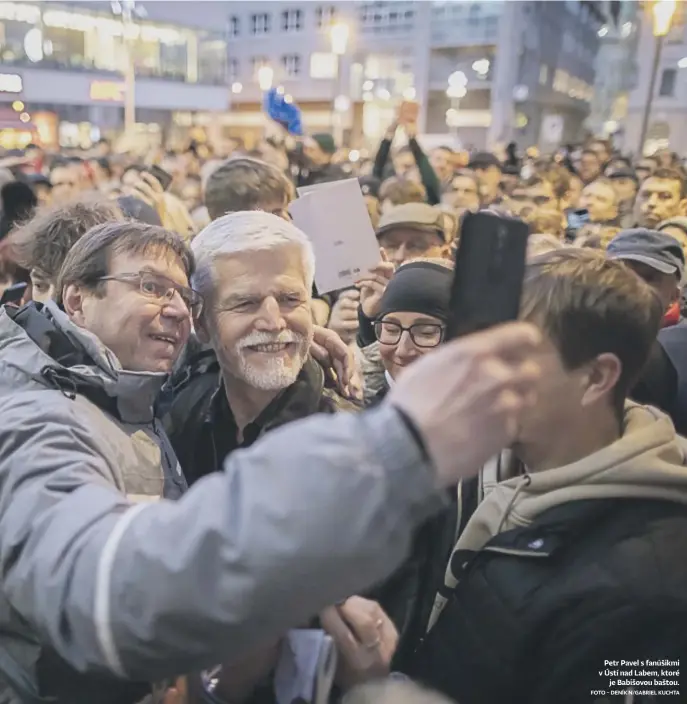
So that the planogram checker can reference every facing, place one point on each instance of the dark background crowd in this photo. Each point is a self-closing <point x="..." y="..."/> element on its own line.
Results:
<point x="203" y="457"/>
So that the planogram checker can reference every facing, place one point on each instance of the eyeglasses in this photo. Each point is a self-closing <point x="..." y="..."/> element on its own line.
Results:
<point x="422" y="334"/>
<point x="161" y="289"/>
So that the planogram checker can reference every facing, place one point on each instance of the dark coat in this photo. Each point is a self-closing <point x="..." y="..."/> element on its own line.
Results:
<point x="538" y="611"/>
<point x="200" y="425"/>
<point x="663" y="382"/>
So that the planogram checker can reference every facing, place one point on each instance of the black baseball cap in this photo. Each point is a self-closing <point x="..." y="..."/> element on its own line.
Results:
<point x="655" y="249"/>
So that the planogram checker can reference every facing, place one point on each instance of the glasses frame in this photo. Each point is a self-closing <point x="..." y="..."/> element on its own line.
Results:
<point x="191" y="299"/>
<point x="409" y="330"/>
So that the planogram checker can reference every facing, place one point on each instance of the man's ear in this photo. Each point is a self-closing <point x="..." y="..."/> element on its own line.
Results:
<point x="683" y="206"/>
<point x="603" y="375"/>
<point x="201" y="328"/>
<point x="73" y="304"/>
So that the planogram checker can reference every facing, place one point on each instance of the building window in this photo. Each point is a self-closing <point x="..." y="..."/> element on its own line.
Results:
<point x="233" y="68"/>
<point x="291" y="63"/>
<point x="234" y="26"/>
<point x="323" y="65"/>
<point x="325" y="16"/>
<point x="291" y="21"/>
<point x="257" y="62"/>
<point x="667" y="87"/>
<point x="260" y="23"/>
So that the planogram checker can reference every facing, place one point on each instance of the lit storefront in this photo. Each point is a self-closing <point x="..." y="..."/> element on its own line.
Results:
<point x="71" y="64"/>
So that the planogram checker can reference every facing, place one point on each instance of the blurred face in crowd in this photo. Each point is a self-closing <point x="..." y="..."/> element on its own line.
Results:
<point x="644" y="169"/>
<point x="542" y="195"/>
<point x="65" y="182"/>
<point x="191" y="194"/>
<point x="589" y="167"/>
<point x="659" y="199"/>
<point x="625" y="188"/>
<point x="508" y="182"/>
<point x="131" y="315"/>
<point x="489" y="179"/>
<point x="666" y="286"/>
<point x="400" y="347"/>
<point x="463" y="194"/>
<point x="679" y="234"/>
<point x="572" y="197"/>
<point x="441" y="161"/>
<point x="404" y="163"/>
<point x="43" y="194"/>
<point x="404" y="243"/>
<point x="600" y="200"/>
<point x="601" y="151"/>
<point x="315" y="154"/>
<point x="259" y="320"/>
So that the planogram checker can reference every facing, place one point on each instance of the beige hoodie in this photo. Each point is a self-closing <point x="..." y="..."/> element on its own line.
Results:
<point x="648" y="461"/>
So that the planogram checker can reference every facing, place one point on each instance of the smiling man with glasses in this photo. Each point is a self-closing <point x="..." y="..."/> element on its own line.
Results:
<point x="104" y="587"/>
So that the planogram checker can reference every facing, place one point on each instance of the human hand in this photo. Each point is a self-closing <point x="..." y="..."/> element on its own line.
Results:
<point x="177" y="694"/>
<point x="365" y="639"/>
<point x="372" y="286"/>
<point x="332" y="353"/>
<point x="410" y="128"/>
<point x="467" y="397"/>
<point x="344" y="317"/>
<point x="148" y="189"/>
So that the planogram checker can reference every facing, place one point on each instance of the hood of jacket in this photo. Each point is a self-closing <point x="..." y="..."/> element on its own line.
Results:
<point x="648" y="461"/>
<point x="41" y="347"/>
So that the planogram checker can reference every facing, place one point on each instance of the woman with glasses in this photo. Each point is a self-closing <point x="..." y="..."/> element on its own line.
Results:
<point x="409" y="311"/>
<point x="408" y="315"/>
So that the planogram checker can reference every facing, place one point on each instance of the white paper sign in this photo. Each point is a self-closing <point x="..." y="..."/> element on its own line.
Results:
<point x="335" y="218"/>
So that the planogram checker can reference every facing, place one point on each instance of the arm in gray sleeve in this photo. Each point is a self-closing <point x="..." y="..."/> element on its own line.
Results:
<point x="312" y="513"/>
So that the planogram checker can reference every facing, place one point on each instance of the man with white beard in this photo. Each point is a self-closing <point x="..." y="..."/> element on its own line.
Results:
<point x="255" y="271"/>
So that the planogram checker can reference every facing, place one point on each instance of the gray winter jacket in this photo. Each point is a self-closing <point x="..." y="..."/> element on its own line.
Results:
<point x="113" y="584"/>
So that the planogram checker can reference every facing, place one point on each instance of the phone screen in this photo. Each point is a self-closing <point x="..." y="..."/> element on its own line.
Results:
<point x="576" y="219"/>
<point x="13" y="294"/>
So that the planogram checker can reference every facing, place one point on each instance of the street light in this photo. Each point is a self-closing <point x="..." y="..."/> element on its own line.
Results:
<point x="265" y="77"/>
<point x="128" y="11"/>
<point x="663" y="11"/>
<point x="338" y="35"/>
<point x="457" y="89"/>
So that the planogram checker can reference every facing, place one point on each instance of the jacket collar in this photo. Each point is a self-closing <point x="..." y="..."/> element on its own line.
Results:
<point x="299" y="400"/>
<point x="48" y="346"/>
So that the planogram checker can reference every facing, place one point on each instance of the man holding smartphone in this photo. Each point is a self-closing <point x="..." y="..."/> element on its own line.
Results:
<point x="569" y="544"/>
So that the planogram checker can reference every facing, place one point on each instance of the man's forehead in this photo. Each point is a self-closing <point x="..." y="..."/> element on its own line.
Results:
<point x="154" y="261"/>
<point x="656" y="185"/>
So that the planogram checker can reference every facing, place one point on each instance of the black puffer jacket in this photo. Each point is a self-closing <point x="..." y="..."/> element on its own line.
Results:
<point x="538" y="611"/>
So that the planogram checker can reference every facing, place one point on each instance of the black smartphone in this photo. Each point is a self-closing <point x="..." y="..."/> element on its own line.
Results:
<point x="489" y="272"/>
<point x="13" y="294"/>
<point x="161" y="175"/>
<point x="576" y="219"/>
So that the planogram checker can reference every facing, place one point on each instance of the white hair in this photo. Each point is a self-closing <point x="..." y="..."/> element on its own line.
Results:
<point x="246" y="231"/>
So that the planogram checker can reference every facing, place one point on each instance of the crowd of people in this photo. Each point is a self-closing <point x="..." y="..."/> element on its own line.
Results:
<point x="202" y="456"/>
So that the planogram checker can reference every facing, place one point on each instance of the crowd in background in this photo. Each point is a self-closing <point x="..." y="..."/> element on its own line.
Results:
<point x="494" y="517"/>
